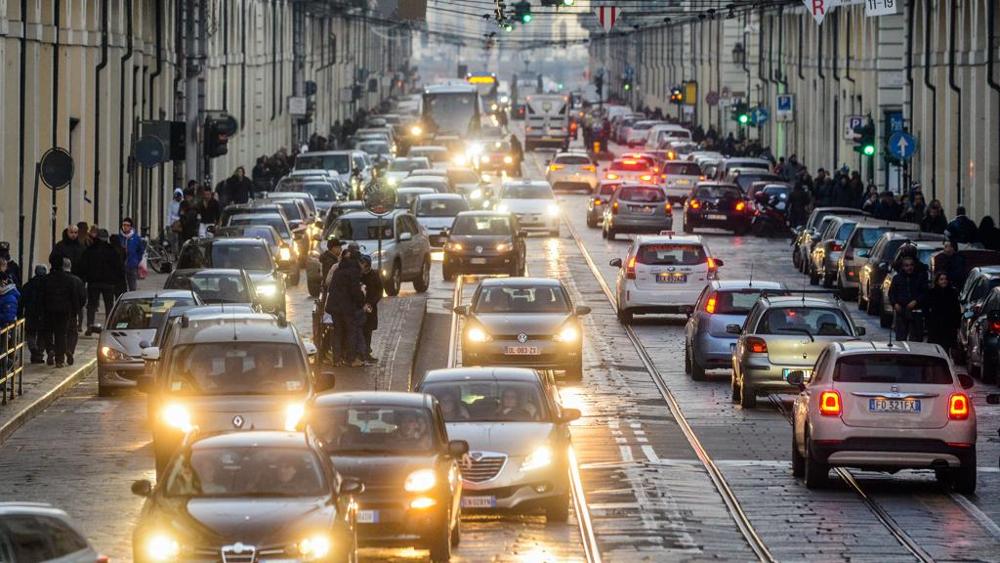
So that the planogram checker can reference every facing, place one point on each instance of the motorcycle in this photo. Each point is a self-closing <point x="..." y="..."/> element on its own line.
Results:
<point x="771" y="215"/>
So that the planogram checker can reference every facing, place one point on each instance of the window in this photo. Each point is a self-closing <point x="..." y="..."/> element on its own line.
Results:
<point x="477" y="225"/>
<point x="489" y="401"/>
<point x="609" y="189"/>
<point x="844" y="231"/>
<point x="291" y="210"/>
<point x="866" y="237"/>
<point x="520" y="299"/>
<point x="65" y="540"/>
<point x="38" y="538"/>
<point x="246" y="472"/>
<point x="893" y="368"/>
<point x="273" y="220"/>
<point x="137" y="314"/>
<point x="237" y="368"/>
<point x="407" y="164"/>
<point x="339" y="162"/>
<point x="820" y="368"/>
<point x="736" y="302"/>
<point x="527" y="191"/>
<point x="800" y="320"/>
<point x="671" y="255"/>
<point x="641" y="195"/>
<point x="213" y="287"/>
<point x="463" y="176"/>
<point x="246" y="256"/>
<point x="717" y="192"/>
<point x="362" y="228"/>
<point x="380" y="429"/>
<point x="437" y="207"/>
<point x="681" y="169"/>
<point x="573" y="160"/>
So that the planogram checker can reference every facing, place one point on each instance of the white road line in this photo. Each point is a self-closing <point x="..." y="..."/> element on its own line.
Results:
<point x="650" y="454"/>
<point x="984" y="520"/>
<point x="626" y="452"/>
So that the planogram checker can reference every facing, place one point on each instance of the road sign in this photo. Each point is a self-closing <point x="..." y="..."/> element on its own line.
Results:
<point x="852" y="122"/>
<point x="895" y="120"/>
<point x="297" y="105"/>
<point x="785" y="108"/>
<point x="880" y="7"/>
<point x="607" y="16"/>
<point x="149" y="151"/>
<point x="56" y="168"/>
<point x="712" y="98"/>
<point x="759" y="116"/>
<point x="902" y="145"/>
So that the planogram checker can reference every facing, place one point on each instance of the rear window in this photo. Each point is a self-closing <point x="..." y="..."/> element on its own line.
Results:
<point x="609" y="189"/>
<point x="734" y="302"/>
<point x="893" y="368"/>
<point x="572" y="160"/>
<point x="717" y="192"/>
<point x="434" y="207"/>
<point x="630" y="165"/>
<point x="682" y="169"/>
<point x="845" y="230"/>
<point x="866" y="237"/>
<point x="642" y="195"/>
<point x="671" y="254"/>
<point x="798" y="320"/>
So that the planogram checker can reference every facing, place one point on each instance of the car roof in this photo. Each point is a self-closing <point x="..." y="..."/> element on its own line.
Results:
<point x="374" y="398"/>
<point x="482" y="213"/>
<point x="155" y="293"/>
<point x="519" y="282"/>
<point x="662" y="239"/>
<point x="854" y="347"/>
<point x="363" y="213"/>
<point x="231" y="241"/>
<point x="747" y="284"/>
<point x="236" y="327"/>
<point x="194" y="271"/>
<point x="987" y="270"/>
<point x="216" y="310"/>
<point x="416" y="189"/>
<point x="454" y="88"/>
<point x="480" y="374"/>
<point x="252" y="439"/>
<point x="912" y="235"/>
<point x="802" y="300"/>
<point x="716" y="183"/>
<point x="257" y="216"/>
<point x="434" y="148"/>
<point x="868" y="222"/>
<point x="527" y="182"/>
<point x="572" y="153"/>
<point x="8" y="508"/>
<point x="437" y="195"/>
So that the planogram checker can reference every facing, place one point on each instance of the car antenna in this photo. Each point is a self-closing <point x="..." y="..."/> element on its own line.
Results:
<point x="751" y="275"/>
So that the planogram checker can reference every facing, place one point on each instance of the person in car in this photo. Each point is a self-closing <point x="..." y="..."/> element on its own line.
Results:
<point x="411" y="431"/>
<point x="452" y="408"/>
<point x="512" y="408"/>
<point x="340" y="433"/>
<point x="289" y="477"/>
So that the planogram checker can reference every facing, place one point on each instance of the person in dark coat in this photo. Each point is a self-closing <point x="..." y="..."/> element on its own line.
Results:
<point x="345" y="303"/>
<point x="209" y="211"/>
<point x="32" y="309"/>
<point x="798" y="205"/>
<point x="61" y="303"/>
<point x="70" y="245"/>
<point x="104" y="271"/>
<point x="13" y="269"/>
<point x="934" y="220"/>
<point x="989" y="235"/>
<point x="887" y="207"/>
<point x="951" y="263"/>
<point x="373" y="294"/>
<point x="189" y="223"/>
<point x="119" y="246"/>
<point x="907" y="292"/>
<point x="942" y="309"/>
<point x="961" y="228"/>
<point x="239" y="188"/>
<point x="72" y="334"/>
<point x="331" y="255"/>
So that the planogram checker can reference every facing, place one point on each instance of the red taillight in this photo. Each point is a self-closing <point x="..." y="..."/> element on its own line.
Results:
<point x="836" y="247"/>
<point x="958" y="406"/>
<point x="590" y="168"/>
<point x="555" y="167"/>
<point x="741" y="205"/>
<point x="829" y="403"/>
<point x="995" y="327"/>
<point x="710" y="304"/>
<point x="630" y="269"/>
<point x="712" y="264"/>
<point x="701" y="178"/>
<point x="695" y="204"/>
<point x="757" y="345"/>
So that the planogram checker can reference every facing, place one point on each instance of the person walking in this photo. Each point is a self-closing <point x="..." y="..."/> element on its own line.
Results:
<point x="118" y="243"/>
<point x="330" y="256"/>
<point x="942" y="306"/>
<point x="32" y="310"/>
<point x="372" y="283"/>
<point x="135" y="250"/>
<point x="103" y="271"/>
<point x="61" y="302"/>
<point x="84" y="229"/>
<point x="934" y="220"/>
<point x="10" y="299"/>
<point x="189" y="224"/>
<point x="989" y="235"/>
<point x="239" y="188"/>
<point x="961" y="228"/>
<point x="905" y="295"/>
<point x="209" y="211"/>
<point x="345" y="302"/>
<point x="70" y="245"/>
<point x="72" y="332"/>
<point x="517" y="153"/>
<point x="951" y="263"/>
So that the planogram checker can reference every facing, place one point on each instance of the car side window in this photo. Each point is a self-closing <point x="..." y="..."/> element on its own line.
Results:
<point x="700" y="302"/>
<point x="979" y="290"/>
<point x="820" y="368"/>
<point x="750" y="325"/>
<point x="65" y="540"/>
<point x="967" y="289"/>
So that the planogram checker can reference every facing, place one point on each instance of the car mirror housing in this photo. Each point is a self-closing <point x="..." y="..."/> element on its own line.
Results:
<point x="966" y="381"/>
<point x="461" y="310"/>
<point x="142" y="488"/>
<point x="797" y="377"/>
<point x="859" y="331"/>
<point x="351" y="486"/>
<point x="734" y="329"/>
<point x="719" y="262"/>
<point x="151" y="354"/>
<point x="569" y="415"/>
<point x="458" y="448"/>
<point x="616" y="262"/>
<point x="582" y="310"/>
<point x="326" y="380"/>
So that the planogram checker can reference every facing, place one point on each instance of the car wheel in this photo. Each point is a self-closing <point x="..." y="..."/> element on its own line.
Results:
<point x="574" y="372"/>
<point x="392" y="288"/>
<point x="815" y="473"/>
<point x="604" y="232"/>
<point x="813" y="278"/>
<point x="687" y="358"/>
<point x="697" y="371"/>
<point x="748" y="396"/>
<point x="974" y="369"/>
<point x="611" y="233"/>
<point x="456" y="533"/>
<point x="557" y="509"/>
<point x="872" y="305"/>
<point x="798" y="462"/>
<point x="591" y="222"/>
<point x="828" y="282"/>
<point x="440" y="543"/>
<point x="862" y="302"/>
<point x="313" y="287"/>
<point x="796" y="261"/>
<point x="625" y="316"/>
<point x="424" y="281"/>
<point x="964" y="478"/>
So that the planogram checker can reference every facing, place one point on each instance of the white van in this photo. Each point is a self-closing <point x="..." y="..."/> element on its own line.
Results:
<point x="659" y="135"/>
<point x="546" y="121"/>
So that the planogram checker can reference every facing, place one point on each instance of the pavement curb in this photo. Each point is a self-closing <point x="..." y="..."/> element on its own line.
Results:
<point x="41" y="403"/>
<point x="420" y="340"/>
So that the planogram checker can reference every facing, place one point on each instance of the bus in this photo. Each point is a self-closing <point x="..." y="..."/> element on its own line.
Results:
<point x="486" y="84"/>
<point x="448" y="113"/>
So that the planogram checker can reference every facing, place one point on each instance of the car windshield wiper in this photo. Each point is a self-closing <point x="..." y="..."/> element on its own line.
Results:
<point x="800" y="331"/>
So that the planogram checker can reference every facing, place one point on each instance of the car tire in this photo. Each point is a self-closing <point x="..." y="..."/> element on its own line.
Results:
<point x="456" y="534"/>
<point x="796" y="260"/>
<point x="611" y="234"/>
<point x="742" y="230"/>
<point x="813" y="278"/>
<point x="557" y="509"/>
<point x="439" y="543"/>
<point x="828" y="282"/>
<point x="104" y="391"/>
<point x="591" y="222"/>
<point x="625" y="316"/>
<point x="816" y="474"/>
<point x="604" y="232"/>
<point x="964" y="478"/>
<point x="697" y="370"/>
<point x="988" y="372"/>
<point x="734" y="390"/>
<point x="395" y="280"/>
<point x="313" y="287"/>
<point x="862" y="302"/>
<point x="423" y="282"/>
<point x="748" y="396"/>
<point x="798" y="462"/>
<point x="574" y="372"/>
<point x="687" y="358"/>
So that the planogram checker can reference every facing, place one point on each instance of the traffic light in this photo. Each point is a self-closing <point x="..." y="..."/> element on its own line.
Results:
<point x="522" y="11"/>
<point x="676" y="96"/>
<point x="627" y="85"/>
<point x="741" y="113"/>
<point x="865" y="143"/>
<point x="219" y="126"/>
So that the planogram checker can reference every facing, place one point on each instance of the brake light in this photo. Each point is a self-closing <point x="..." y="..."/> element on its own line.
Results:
<point x="555" y="167"/>
<point x="740" y="205"/>
<point x="612" y="176"/>
<point x="590" y="168"/>
<point x="656" y="169"/>
<point x="829" y="403"/>
<point x="645" y="177"/>
<point x="695" y="204"/>
<point x="710" y="304"/>
<point x="630" y="269"/>
<point x="995" y="327"/>
<point x="836" y="247"/>
<point x="630" y="161"/>
<point x="702" y="177"/>
<point x="598" y="201"/>
<point x="614" y="208"/>
<point x="668" y="208"/>
<point x="757" y="345"/>
<point x="958" y="406"/>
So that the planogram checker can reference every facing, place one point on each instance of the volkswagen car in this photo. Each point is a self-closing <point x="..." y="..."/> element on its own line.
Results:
<point x="484" y="242"/>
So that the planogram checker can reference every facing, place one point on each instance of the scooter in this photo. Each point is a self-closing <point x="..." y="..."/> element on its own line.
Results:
<point x="771" y="217"/>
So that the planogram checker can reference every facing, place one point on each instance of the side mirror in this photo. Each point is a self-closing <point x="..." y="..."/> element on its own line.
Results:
<point x="582" y="310"/>
<point x="144" y="383"/>
<point x="522" y="233"/>
<point x="445" y="233"/>
<point x="616" y="262"/>
<point x="96" y="329"/>
<point x="569" y="415"/>
<point x="403" y="237"/>
<point x="993" y="399"/>
<point x="142" y="488"/>
<point x="859" y="331"/>
<point x="351" y="486"/>
<point x="151" y="354"/>
<point x="326" y="380"/>
<point x="461" y="310"/>
<point x="719" y="262"/>
<point x="734" y="329"/>
<point x="797" y="377"/>
<point x="966" y="381"/>
<point x="210" y="229"/>
<point x="458" y="448"/>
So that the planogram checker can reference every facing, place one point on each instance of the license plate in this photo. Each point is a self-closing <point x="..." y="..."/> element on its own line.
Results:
<point x="714" y="217"/>
<point x="479" y="502"/>
<point x="911" y="406"/>
<point x="806" y="373"/>
<point x="368" y="517"/>
<point x="682" y="182"/>
<point x="646" y="210"/>
<point x="477" y="261"/>
<point x="521" y="350"/>
<point x="666" y="277"/>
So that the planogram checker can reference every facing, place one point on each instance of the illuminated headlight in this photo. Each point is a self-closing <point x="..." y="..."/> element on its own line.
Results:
<point x="485" y="158"/>
<point x="161" y="547"/>
<point x="503" y="208"/>
<point x="455" y="246"/>
<point x="504" y="247"/>
<point x="293" y="415"/>
<point x="504" y="99"/>
<point x="315" y="547"/>
<point x="420" y="481"/>
<point x="110" y="353"/>
<point x="392" y="180"/>
<point x="508" y="159"/>
<point x="474" y="149"/>
<point x="493" y="107"/>
<point x="486" y="177"/>
<point x="268" y="289"/>
<point x="476" y="334"/>
<point x="416" y="130"/>
<point x="284" y="255"/>
<point x="568" y="333"/>
<point x="541" y="457"/>
<point x="460" y="159"/>
<point x="177" y="416"/>
<point x="552" y="210"/>
<point x="476" y="194"/>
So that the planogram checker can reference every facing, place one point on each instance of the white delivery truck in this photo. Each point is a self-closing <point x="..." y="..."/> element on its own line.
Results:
<point x="546" y="121"/>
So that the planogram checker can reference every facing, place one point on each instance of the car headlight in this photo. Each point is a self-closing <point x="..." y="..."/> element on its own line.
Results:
<point x="503" y="208"/>
<point x="474" y="149"/>
<point x="392" y="180"/>
<point x="504" y="99"/>
<point x="284" y="255"/>
<point x="508" y="159"/>
<point x="476" y="194"/>
<point x="455" y="246"/>
<point x="110" y="353"/>
<point x="268" y="289"/>
<point x="315" y="547"/>
<point x="493" y="107"/>
<point x="421" y="480"/>
<point x="541" y="457"/>
<point x="568" y="333"/>
<point x="485" y="158"/>
<point x="477" y="334"/>
<point x="552" y="210"/>
<point x="177" y="416"/>
<point x="460" y="159"/>
<point x="485" y="177"/>
<point x="504" y="247"/>
<point x="416" y="130"/>
<point x="162" y="547"/>
<point x="293" y="415"/>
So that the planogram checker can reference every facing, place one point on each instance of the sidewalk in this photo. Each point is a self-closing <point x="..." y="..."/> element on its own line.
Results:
<point x="43" y="383"/>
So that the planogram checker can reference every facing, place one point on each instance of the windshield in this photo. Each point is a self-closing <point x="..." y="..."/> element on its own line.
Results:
<point x="463" y="176"/>
<point x="275" y="221"/>
<point x="642" y="195"/>
<point x="867" y="237"/>
<point x="717" y="192"/>
<point x="797" y="320"/>
<point x="291" y="210"/>
<point x="246" y="472"/>
<point x="137" y="314"/>
<point x="407" y="164"/>
<point x="246" y="256"/>
<point x="372" y="147"/>
<point x="671" y="255"/>
<point x="844" y="231"/>
<point x="489" y="401"/>
<point x="452" y="113"/>
<point x="526" y="191"/>
<point x="265" y="233"/>
<point x="213" y="287"/>
<point x="746" y="180"/>
<point x="431" y="207"/>
<point x="238" y="367"/>
<point x="339" y="162"/>
<point x="682" y="169"/>
<point x="433" y="155"/>
<point x="374" y="428"/>
<point x="893" y="368"/>
<point x="609" y="189"/>
<point x="520" y="299"/>
<point x="433" y="182"/>
<point x="321" y="191"/>
<point x="404" y="199"/>
<point x="481" y="225"/>
<point x="362" y="228"/>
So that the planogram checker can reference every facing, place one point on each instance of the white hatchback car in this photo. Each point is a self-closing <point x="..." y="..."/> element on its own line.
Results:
<point x="572" y="171"/>
<point x="663" y="274"/>
<point x="884" y="407"/>
<point x="533" y="203"/>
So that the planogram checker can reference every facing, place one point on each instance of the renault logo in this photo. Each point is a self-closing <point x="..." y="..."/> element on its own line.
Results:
<point x="522" y="338"/>
<point x="238" y="421"/>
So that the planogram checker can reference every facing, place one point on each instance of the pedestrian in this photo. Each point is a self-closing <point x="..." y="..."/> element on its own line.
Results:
<point x="952" y="263"/>
<point x="989" y="235"/>
<point x="10" y="299"/>
<point x="870" y="199"/>
<point x="209" y="212"/>
<point x="174" y="208"/>
<point x="917" y="209"/>
<point x="961" y="229"/>
<point x="942" y="306"/>
<point x="517" y="153"/>
<point x="798" y="203"/>
<point x="135" y="252"/>
<point x="372" y="282"/>
<point x="92" y="233"/>
<point x="934" y="220"/>
<point x="72" y="331"/>
<point x="13" y="269"/>
<point x="261" y="175"/>
<point x="189" y="223"/>
<point x="238" y="187"/>
<point x="345" y="303"/>
<point x="855" y="189"/>
<point x="32" y="310"/>
<point x="905" y="295"/>
<point x="104" y="272"/>
<point x="70" y="246"/>
<point x="84" y="229"/>
<point x="331" y="255"/>
<point x="887" y="207"/>
<point x="61" y="303"/>
<point x="822" y="189"/>
<point x="117" y="243"/>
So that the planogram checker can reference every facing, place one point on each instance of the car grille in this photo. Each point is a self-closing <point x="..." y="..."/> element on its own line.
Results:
<point x="485" y="468"/>
<point x="239" y="553"/>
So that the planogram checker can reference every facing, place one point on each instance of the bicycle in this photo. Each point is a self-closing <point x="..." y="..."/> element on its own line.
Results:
<point x="159" y="255"/>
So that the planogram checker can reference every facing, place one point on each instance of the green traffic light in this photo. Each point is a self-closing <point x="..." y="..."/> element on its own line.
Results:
<point x="628" y="87"/>
<point x="526" y="18"/>
<point x="743" y="119"/>
<point x="568" y="2"/>
<point x="868" y="150"/>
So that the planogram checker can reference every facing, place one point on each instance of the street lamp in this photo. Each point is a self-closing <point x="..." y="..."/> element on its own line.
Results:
<point x="739" y="54"/>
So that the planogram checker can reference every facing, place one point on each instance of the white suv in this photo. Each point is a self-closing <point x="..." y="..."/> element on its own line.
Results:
<point x="572" y="171"/>
<point x="884" y="407"/>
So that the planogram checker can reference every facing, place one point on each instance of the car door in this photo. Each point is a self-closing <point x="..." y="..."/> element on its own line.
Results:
<point x="978" y="326"/>
<point x="408" y="250"/>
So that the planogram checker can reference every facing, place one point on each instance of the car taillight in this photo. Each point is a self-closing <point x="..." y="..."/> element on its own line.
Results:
<point x="740" y="205"/>
<point x="958" y="406"/>
<point x="757" y="345"/>
<point x="598" y="201"/>
<point x="695" y="204"/>
<point x="590" y="168"/>
<point x="712" y="264"/>
<point x="645" y="177"/>
<point x="611" y="176"/>
<point x="630" y="162"/>
<point x="630" y="269"/>
<point x="994" y="327"/>
<point x="836" y="247"/>
<point x="710" y="304"/>
<point x="555" y="167"/>
<point x="829" y="403"/>
<point x="614" y="208"/>
<point x="702" y="178"/>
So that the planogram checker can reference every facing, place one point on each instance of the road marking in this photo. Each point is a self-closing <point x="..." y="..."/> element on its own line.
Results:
<point x="984" y="520"/>
<point x="650" y="454"/>
<point x="626" y="452"/>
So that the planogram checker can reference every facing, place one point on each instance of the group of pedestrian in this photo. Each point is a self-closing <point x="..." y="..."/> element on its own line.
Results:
<point x="913" y="300"/>
<point x="197" y="208"/>
<point x="353" y="289"/>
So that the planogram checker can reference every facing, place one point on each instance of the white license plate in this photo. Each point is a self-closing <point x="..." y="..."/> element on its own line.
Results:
<point x="667" y="277"/>
<point x="714" y="217"/>
<point x="368" y="517"/>
<point x="477" y="261"/>
<point x="682" y="182"/>
<point x="521" y="350"/>
<point x="645" y="210"/>
<point x="910" y="406"/>
<point x="479" y="502"/>
<point x="806" y="373"/>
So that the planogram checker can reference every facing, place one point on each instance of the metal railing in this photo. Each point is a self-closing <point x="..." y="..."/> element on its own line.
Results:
<point x="11" y="361"/>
